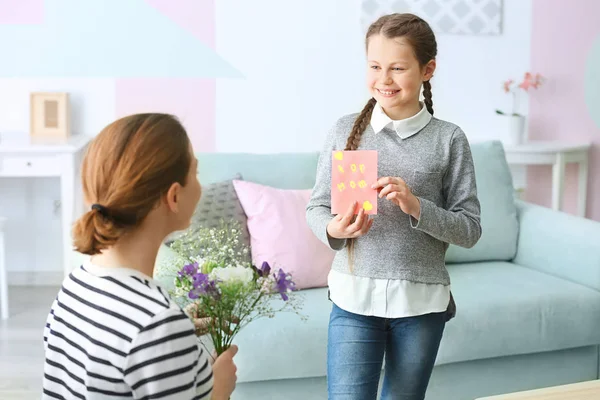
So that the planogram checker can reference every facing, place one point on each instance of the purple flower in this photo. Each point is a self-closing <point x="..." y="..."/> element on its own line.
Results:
<point x="264" y="270"/>
<point x="188" y="270"/>
<point x="284" y="284"/>
<point x="199" y="279"/>
<point x="203" y="285"/>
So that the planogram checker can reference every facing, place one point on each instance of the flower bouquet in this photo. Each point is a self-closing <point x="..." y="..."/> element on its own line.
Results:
<point x="213" y="283"/>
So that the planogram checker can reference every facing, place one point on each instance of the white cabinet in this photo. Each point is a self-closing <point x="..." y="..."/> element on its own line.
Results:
<point x="23" y="157"/>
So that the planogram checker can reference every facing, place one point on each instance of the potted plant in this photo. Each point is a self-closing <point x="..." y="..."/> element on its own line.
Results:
<point x="516" y="121"/>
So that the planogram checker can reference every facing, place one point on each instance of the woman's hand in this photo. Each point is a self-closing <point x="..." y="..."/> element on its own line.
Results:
<point x="204" y="324"/>
<point x="395" y="190"/>
<point x="342" y="227"/>
<point x="224" y="373"/>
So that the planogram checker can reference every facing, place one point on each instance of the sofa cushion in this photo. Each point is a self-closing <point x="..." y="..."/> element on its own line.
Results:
<point x="282" y="170"/>
<point x="280" y="234"/>
<point x="506" y="309"/>
<point x="219" y="204"/>
<point x="502" y="309"/>
<point x="498" y="210"/>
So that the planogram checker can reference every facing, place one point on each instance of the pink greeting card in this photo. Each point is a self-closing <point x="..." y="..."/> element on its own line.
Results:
<point x="352" y="174"/>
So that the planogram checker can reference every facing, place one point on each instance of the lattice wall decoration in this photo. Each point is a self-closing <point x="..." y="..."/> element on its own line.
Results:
<point x="462" y="17"/>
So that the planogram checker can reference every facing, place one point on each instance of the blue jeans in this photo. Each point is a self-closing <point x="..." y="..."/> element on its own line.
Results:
<point x="356" y="347"/>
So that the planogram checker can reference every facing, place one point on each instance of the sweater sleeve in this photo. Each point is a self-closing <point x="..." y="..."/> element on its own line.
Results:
<point x="458" y="222"/>
<point x="318" y="210"/>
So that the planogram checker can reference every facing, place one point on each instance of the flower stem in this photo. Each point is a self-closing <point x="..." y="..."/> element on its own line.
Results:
<point x="514" y="100"/>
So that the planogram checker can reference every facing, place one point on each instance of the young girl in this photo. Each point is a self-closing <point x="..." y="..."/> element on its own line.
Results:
<point x="391" y="290"/>
<point x="112" y="331"/>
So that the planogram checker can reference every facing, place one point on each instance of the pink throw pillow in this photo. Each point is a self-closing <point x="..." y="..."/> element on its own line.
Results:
<point x="280" y="235"/>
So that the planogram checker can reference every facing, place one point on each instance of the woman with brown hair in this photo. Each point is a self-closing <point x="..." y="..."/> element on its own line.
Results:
<point x="112" y="331"/>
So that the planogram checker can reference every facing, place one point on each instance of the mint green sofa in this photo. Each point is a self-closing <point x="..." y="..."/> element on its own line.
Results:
<point x="528" y="296"/>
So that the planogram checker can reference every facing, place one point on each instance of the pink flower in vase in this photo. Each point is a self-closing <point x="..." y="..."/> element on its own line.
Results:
<point x="529" y="81"/>
<point x="539" y="79"/>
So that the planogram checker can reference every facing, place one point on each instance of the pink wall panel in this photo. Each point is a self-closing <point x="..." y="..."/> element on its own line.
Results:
<point x="21" y="11"/>
<point x="562" y="37"/>
<point x="192" y="100"/>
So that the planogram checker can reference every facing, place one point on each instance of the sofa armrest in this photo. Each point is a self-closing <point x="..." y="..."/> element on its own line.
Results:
<point x="559" y="244"/>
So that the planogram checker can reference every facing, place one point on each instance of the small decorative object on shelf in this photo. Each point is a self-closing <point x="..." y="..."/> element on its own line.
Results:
<point x="50" y="115"/>
<point x="515" y="120"/>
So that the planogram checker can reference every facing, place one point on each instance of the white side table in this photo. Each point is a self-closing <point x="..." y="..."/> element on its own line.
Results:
<point x="3" y="279"/>
<point x="556" y="154"/>
<point x="23" y="157"/>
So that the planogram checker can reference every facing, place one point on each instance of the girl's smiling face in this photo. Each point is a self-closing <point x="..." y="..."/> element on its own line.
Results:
<point x="394" y="75"/>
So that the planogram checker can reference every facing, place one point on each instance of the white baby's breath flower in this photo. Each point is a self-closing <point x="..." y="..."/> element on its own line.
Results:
<point x="198" y="260"/>
<point x="266" y="284"/>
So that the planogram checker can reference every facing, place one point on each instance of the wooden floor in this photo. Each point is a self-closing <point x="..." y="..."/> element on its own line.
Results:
<point x="21" y="343"/>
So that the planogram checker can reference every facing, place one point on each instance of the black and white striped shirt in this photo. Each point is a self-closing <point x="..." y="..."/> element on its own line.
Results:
<point x="114" y="333"/>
